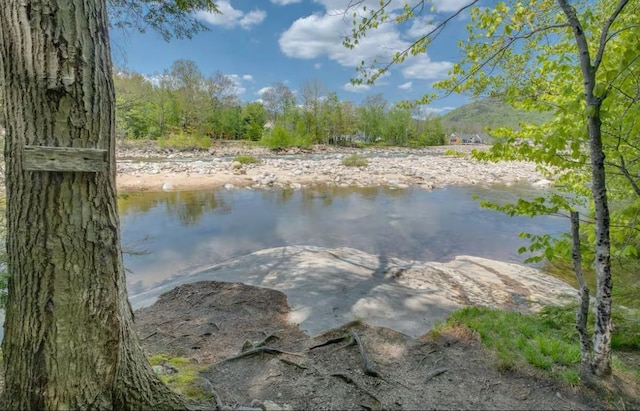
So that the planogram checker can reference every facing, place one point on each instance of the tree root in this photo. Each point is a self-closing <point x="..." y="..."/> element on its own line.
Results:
<point x="434" y="373"/>
<point x="350" y="380"/>
<point x="368" y="367"/>
<point x="328" y="342"/>
<point x="259" y="350"/>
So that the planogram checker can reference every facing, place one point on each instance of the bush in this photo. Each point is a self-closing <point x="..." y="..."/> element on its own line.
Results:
<point x="247" y="160"/>
<point x="280" y="137"/>
<point x="182" y="142"/>
<point x="355" y="161"/>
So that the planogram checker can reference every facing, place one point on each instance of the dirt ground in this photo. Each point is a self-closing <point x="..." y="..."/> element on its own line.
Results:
<point x="257" y="360"/>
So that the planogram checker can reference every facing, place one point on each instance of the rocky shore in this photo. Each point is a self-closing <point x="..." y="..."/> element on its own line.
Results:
<point x="152" y="169"/>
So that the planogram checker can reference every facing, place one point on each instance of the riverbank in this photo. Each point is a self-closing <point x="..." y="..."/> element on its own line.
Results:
<point x="149" y="168"/>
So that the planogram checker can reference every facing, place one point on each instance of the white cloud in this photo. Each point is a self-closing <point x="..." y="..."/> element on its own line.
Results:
<point x="230" y="17"/>
<point x="263" y="90"/>
<point x="252" y="18"/>
<point x="237" y="83"/>
<point x="406" y="86"/>
<point x="321" y="35"/>
<point x="285" y="2"/>
<point x="247" y="77"/>
<point x="421" y="67"/>
<point x="419" y="27"/>
<point x="317" y="66"/>
<point x="450" y="5"/>
<point x="356" y="88"/>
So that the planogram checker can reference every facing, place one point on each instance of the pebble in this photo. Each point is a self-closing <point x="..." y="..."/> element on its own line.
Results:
<point x="426" y="168"/>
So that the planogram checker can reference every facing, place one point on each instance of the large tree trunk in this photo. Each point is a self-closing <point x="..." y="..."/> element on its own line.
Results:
<point x="69" y="342"/>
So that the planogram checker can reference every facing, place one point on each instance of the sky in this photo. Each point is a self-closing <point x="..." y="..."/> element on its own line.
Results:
<point x="261" y="42"/>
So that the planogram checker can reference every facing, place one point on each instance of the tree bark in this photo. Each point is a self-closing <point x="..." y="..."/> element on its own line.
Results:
<point x="601" y="361"/>
<point x="69" y="342"/>
<point x="582" y="313"/>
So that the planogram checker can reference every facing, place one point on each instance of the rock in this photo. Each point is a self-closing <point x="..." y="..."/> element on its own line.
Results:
<point x="272" y="406"/>
<point x="410" y="300"/>
<point x="229" y="186"/>
<point x="236" y="165"/>
<point x="167" y="186"/>
<point x="542" y="183"/>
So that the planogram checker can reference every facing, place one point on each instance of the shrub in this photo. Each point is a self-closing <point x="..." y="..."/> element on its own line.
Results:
<point x="355" y="160"/>
<point x="454" y="153"/>
<point x="247" y="160"/>
<point x="280" y="137"/>
<point x="182" y="142"/>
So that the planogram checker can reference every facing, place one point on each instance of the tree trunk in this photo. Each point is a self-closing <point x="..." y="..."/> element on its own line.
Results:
<point x="69" y="341"/>
<point x="601" y="361"/>
<point x="582" y="313"/>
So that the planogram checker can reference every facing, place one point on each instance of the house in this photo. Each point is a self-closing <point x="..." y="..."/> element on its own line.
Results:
<point x="456" y="138"/>
<point x="268" y="125"/>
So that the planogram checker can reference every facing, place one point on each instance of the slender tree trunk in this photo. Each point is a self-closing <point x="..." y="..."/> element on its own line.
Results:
<point x="582" y="313"/>
<point x="69" y="342"/>
<point x="601" y="362"/>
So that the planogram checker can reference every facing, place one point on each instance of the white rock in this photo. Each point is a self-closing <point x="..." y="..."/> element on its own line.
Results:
<point x="229" y="186"/>
<point x="543" y="183"/>
<point x="167" y="186"/>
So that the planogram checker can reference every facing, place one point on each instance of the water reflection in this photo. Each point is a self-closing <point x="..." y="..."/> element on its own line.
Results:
<point x="188" y="229"/>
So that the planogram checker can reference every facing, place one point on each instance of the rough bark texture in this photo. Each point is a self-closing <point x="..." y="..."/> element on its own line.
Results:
<point x="601" y="361"/>
<point x="68" y="340"/>
<point x="582" y="313"/>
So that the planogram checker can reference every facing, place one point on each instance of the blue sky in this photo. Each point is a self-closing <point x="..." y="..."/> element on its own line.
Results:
<point x="260" y="42"/>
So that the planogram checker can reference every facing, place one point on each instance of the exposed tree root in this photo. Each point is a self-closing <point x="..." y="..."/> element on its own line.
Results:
<point x="434" y="373"/>
<point x="328" y="342"/>
<point x="368" y="367"/>
<point x="259" y="350"/>
<point x="350" y="380"/>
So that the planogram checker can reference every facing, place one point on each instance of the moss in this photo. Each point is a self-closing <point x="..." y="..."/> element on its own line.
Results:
<point x="187" y="381"/>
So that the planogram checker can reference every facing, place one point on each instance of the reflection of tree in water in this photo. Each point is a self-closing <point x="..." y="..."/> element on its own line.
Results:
<point x="189" y="206"/>
<point x="326" y="195"/>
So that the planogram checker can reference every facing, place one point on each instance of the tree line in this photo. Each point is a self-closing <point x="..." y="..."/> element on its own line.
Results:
<point x="183" y="100"/>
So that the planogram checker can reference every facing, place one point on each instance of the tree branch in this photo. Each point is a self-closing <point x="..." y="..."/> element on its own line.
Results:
<point x="605" y="32"/>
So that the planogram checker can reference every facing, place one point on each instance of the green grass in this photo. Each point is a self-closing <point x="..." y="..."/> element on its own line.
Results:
<point x="184" y="142"/>
<point x="355" y="160"/>
<point x="546" y="340"/>
<point x="247" y="160"/>
<point x="454" y="153"/>
<point x="187" y="380"/>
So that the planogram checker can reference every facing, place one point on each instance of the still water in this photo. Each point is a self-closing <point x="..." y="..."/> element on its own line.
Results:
<point x="178" y="231"/>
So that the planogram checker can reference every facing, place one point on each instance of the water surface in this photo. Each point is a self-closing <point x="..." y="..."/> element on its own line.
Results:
<point x="182" y="230"/>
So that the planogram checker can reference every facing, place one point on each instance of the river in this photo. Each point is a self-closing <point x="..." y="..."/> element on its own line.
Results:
<point x="172" y="232"/>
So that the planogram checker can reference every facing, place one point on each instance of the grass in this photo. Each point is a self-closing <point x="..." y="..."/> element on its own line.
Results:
<point x="355" y="160"/>
<point x="187" y="380"/>
<point x="247" y="160"/>
<point x="546" y="341"/>
<point x="454" y="153"/>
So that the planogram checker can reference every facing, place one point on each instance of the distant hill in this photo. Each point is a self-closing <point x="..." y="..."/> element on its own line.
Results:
<point x="475" y="117"/>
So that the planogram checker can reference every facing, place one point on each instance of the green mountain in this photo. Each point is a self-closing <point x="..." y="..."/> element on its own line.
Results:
<point x="477" y="116"/>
